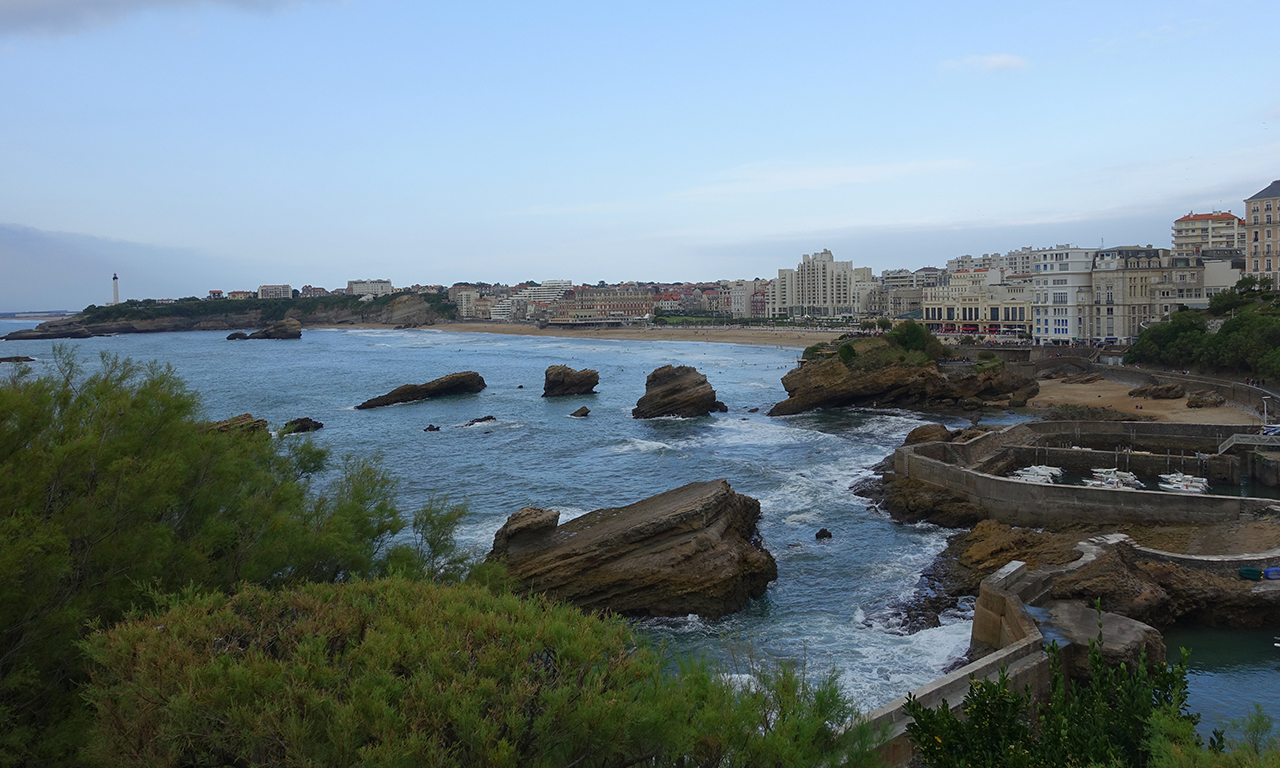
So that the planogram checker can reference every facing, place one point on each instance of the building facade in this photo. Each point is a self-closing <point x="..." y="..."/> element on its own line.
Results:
<point x="275" y="292"/>
<point x="369" y="287"/>
<point x="1262" y="234"/>
<point x="1196" y="233"/>
<point x="819" y="287"/>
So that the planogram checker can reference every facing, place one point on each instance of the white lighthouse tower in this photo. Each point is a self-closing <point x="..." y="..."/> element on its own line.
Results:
<point x="115" y="289"/>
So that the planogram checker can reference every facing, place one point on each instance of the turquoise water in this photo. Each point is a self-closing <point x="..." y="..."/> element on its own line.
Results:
<point x="835" y="603"/>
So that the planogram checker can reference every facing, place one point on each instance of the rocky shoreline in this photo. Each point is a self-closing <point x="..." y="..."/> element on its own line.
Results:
<point x="1160" y="594"/>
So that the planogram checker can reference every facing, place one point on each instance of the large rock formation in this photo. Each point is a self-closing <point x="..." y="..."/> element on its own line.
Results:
<point x="466" y="382"/>
<point x="242" y="423"/>
<point x="1171" y="391"/>
<point x="287" y="328"/>
<point x="694" y="549"/>
<point x="561" y="381"/>
<point x="677" y="391"/>
<point x="830" y="382"/>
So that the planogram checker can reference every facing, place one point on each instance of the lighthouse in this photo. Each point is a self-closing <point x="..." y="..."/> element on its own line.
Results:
<point x="115" y="289"/>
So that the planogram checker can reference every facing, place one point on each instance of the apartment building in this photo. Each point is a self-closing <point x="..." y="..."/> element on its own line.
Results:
<point x="1262" y="234"/>
<point x="819" y="287"/>
<point x="373" y="288"/>
<point x="978" y="302"/>
<point x="275" y="292"/>
<point x="1196" y="233"/>
<point x="589" y="304"/>
<point x="1061" y="291"/>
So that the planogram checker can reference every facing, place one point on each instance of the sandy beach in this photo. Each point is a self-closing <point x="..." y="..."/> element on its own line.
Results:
<point x="1116" y="396"/>
<point x="779" y="337"/>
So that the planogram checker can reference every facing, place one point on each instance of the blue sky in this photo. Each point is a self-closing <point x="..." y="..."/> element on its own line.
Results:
<point x="223" y="144"/>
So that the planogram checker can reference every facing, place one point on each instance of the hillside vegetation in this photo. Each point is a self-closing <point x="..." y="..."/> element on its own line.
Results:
<point x="271" y="309"/>
<point x="1248" y="342"/>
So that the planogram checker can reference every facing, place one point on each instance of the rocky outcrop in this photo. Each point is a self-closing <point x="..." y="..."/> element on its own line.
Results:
<point x="480" y="420"/>
<point x="237" y="336"/>
<point x="928" y="433"/>
<point x="303" y="424"/>
<point x="695" y="549"/>
<point x="563" y="381"/>
<point x="911" y="501"/>
<point x="831" y="383"/>
<point x="242" y="423"/>
<point x="1205" y="398"/>
<point x="1125" y="640"/>
<point x="1162" y="594"/>
<point x="581" y="413"/>
<point x="17" y="359"/>
<point x="465" y="382"/>
<point x="1159" y="391"/>
<point x="288" y="328"/>
<point x="677" y="391"/>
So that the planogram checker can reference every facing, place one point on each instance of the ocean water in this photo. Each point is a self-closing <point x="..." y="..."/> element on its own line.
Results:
<point x="835" y="603"/>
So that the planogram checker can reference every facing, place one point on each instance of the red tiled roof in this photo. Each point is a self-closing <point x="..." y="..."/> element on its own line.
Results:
<point x="1207" y="216"/>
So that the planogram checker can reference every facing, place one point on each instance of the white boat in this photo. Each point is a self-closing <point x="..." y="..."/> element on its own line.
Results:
<point x="1119" y="475"/>
<point x="1182" y="487"/>
<point x="1178" y="478"/>
<point x="1110" y="484"/>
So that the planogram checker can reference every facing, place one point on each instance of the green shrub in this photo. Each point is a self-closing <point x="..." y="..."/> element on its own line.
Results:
<point x="1105" y="721"/>
<point x="113" y="491"/>
<point x="812" y="352"/>
<point x="846" y="352"/>
<point x="986" y="354"/>
<point x="393" y="672"/>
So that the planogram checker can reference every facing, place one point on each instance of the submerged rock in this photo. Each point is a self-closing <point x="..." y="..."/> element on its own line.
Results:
<point x="304" y="424"/>
<point x="465" y="382"/>
<point x="480" y="420"/>
<point x="695" y="549"/>
<point x="677" y="391"/>
<point x="17" y="359"/>
<point x="562" y="381"/>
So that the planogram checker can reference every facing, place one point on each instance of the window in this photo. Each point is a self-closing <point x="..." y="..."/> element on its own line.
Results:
<point x="1060" y="298"/>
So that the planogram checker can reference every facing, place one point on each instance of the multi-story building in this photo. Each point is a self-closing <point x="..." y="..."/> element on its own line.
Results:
<point x="1133" y="287"/>
<point x="740" y="293"/>
<point x="977" y="302"/>
<point x="596" y="305"/>
<point x="1198" y="232"/>
<point x="1262" y="234"/>
<point x="275" y="292"/>
<point x="311" y="292"/>
<point x="464" y="298"/>
<point x="1060" y="282"/>
<point x="214" y="295"/>
<point x="240" y="295"/>
<point x="819" y="287"/>
<point x="373" y="288"/>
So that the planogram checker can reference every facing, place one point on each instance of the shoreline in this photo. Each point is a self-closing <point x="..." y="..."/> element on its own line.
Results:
<point x="763" y="337"/>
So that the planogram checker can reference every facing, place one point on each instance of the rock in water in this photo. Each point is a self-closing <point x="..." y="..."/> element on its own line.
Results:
<point x="480" y="420"/>
<point x="822" y="534"/>
<point x="677" y="391"/>
<point x="831" y="383"/>
<point x="304" y="424"/>
<point x="287" y="328"/>
<point x="928" y="433"/>
<point x="581" y="413"/>
<point x="237" y="336"/>
<point x="465" y="382"/>
<point x="561" y="381"/>
<point x="695" y="549"/>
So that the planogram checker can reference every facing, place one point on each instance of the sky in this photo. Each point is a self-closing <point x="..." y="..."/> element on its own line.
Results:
<point x="191" y="145"/>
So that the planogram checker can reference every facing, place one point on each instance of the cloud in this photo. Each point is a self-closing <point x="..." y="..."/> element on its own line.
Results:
<point x="771" y="178"/>
<point x="997" y="62"/>
<point x="66" y="16"/>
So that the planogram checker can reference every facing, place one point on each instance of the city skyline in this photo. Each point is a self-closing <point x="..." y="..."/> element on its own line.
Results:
<point x="211" y="144"/>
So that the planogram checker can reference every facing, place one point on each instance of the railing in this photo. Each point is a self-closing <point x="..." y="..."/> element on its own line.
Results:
<point x="1248" y="440"/>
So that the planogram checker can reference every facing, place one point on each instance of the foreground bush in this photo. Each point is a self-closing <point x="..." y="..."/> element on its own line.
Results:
<point x="393" y="672"/>
<point x="1106" y="721"/>
<point x="112" y="491"/>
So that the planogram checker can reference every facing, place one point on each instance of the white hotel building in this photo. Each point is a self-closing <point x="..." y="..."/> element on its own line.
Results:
<point x="1062" y="293"/>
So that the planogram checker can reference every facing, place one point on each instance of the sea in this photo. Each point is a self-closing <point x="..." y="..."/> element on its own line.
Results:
<point x="837" y="605"/>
